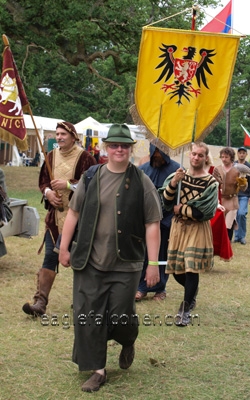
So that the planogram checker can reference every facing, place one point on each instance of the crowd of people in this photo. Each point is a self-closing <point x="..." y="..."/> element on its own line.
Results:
<point x="124" y="229"/>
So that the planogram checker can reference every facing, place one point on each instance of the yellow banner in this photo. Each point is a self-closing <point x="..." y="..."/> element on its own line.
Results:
<point x="183" y="80"/>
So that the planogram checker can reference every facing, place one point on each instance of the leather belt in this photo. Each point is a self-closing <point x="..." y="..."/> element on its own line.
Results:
<point x="229" y="196"/>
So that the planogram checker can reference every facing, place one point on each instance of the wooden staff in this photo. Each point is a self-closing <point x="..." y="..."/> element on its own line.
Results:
<point x="194" y="16"/>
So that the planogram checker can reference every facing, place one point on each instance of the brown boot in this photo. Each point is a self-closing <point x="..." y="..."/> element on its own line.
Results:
<point x="45" y="281"/>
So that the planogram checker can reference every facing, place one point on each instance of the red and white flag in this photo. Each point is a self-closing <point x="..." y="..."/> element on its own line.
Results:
<point x="222" y="22"/>
<point x="247" y="136"/>
<point x="13" y="101"/>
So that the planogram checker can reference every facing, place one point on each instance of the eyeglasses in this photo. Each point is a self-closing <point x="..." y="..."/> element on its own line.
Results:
<point x="116" y="146"/>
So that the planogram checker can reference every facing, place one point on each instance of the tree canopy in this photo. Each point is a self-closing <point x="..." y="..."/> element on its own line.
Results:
<point x="78" y="57"/>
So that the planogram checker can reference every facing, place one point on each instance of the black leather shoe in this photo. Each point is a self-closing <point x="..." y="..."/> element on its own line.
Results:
<point x="126" y="356"/>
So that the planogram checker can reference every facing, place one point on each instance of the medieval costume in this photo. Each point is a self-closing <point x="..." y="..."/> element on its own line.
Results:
<point x="190" y="249"/>
<point x="221" y="242"/>
<point x="230" y="184"/>
<point x="117" y="217"/>
<point x="96" y="253"/>
<point x="191" y="244"/>
<point x="68" y="166"/>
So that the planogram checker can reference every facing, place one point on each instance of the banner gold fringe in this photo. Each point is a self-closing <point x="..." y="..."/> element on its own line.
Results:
<point x="162" y="146"/>
<point x="152" y="138"/>
<point x="14" y="140"/>
<point x="211" y="127"/>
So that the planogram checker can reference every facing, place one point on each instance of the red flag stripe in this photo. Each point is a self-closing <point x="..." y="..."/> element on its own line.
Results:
<point x="222" y="22"/>
<point x="247" y="137"/>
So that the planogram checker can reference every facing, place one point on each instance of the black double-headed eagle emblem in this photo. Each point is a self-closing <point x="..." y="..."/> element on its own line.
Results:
<point x="184" y="70"/>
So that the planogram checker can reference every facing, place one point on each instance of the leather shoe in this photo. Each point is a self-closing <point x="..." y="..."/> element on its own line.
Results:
<point x="140" y="295"/>
<point x="126" y="356"/>
<point x="94" y="382"/>
<point x="183" y="317"/>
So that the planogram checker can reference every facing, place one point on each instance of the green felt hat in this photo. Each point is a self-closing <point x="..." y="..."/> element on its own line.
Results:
<point x="119" y="134"/>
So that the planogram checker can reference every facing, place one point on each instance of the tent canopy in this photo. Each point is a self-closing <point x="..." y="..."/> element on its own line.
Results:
<point x="91" y="126"/>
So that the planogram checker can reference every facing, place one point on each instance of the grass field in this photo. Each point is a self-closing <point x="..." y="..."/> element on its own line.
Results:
<point x="206" y="361"/>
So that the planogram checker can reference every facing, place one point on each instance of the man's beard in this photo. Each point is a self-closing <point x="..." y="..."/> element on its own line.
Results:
<point x="198" y="166"/>
<point x="157" y="162"/>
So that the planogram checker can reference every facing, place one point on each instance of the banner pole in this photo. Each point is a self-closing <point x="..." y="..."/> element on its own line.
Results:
<point x="194" y="16"/>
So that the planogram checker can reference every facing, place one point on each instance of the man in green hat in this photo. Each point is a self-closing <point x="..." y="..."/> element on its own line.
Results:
<point x="117" y="217"/>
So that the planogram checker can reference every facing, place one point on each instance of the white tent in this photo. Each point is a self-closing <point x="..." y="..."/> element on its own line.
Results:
<point x="91" y="126"/>
<point x="17" y="160"/>
<point x="42" y="125"/>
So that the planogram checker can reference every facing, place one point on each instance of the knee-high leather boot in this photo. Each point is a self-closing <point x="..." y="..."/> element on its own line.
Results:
<point x="45" y="281"/>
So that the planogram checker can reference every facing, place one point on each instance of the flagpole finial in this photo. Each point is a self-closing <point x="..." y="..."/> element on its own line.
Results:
<point x="5" y="40"/>
<point x="195" y="8"/>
